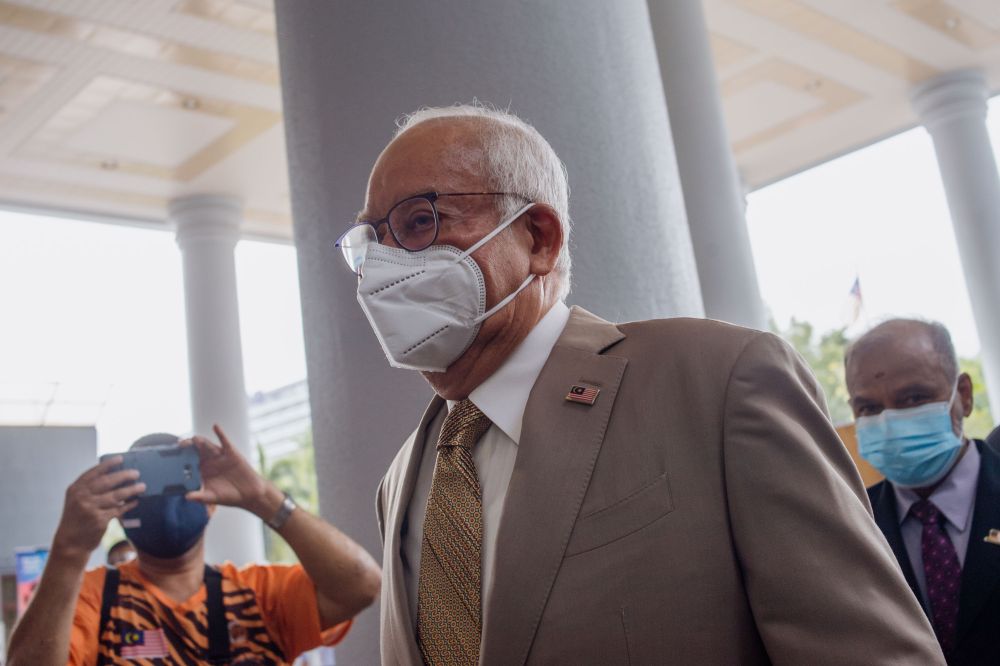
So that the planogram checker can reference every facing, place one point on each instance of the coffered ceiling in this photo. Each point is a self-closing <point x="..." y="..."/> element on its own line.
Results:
<point x="109" y="108"/>
<point x="113" y="107"/>
<point x="804" y="81"/>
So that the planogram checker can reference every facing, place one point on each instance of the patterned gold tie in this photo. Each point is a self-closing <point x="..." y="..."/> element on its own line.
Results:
<point x="449" y="623"/>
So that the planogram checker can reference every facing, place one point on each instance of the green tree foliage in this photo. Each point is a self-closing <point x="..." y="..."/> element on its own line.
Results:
<point x="980" y="422"/>
<point x="294" y="474"/>
<point x="825" y="356"/>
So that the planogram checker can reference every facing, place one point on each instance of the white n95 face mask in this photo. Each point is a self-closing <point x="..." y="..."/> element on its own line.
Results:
<point x="426" y="307"/>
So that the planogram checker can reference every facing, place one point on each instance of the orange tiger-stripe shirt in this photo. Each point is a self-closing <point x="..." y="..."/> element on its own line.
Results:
<point x="271" y="616"/>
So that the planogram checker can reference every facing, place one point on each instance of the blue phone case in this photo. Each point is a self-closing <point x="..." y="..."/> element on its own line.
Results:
<point x="166" y="470"/>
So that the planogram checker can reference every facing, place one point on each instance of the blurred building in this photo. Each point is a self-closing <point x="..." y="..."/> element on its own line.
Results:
<point x="279" y="419"/>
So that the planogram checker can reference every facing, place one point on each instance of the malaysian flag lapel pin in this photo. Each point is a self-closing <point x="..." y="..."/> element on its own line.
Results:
<point x="583" y="393"/>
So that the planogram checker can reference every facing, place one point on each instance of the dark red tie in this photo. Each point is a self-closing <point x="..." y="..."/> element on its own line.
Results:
<point x="942" y="571"/>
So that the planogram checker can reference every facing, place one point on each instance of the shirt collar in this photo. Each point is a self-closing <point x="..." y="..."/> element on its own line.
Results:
<point x="504" y="395"/>
<point x="955" y="496"/>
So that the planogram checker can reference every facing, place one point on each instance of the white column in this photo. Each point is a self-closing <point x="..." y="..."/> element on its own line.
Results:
<point x="713" y="193"/>
<point x="208" y="227"/>
<point x="953" y="109"/>
<point x="586" y="78"/>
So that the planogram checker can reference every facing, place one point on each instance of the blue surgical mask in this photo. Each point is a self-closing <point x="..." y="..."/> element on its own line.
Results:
<point x="913" y="448"/>
<point x="165" y="526"/>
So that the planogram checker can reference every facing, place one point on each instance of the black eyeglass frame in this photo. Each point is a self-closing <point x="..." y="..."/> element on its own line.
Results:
<point x="429" y="197"/>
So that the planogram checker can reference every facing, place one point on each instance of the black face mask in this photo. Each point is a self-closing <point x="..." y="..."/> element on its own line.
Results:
<point x="165" y="526"/>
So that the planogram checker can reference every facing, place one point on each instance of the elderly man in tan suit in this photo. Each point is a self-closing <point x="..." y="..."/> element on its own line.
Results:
<point x="582" y="492"/>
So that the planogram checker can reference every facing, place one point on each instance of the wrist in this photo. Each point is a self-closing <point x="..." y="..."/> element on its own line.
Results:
<point x="267" y="503"/>
<point x="288" y="506"/>
<point x="68" y="556"/>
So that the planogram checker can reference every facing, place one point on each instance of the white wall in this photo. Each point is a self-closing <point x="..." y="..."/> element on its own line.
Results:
<point x="36" y="466"/>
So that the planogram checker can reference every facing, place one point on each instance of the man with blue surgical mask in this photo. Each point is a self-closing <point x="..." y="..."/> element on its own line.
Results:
<point x="168" y="606"/>
<point x="941" y="496"/>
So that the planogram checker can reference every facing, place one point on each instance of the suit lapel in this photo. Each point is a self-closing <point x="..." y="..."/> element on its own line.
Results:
<point x="981" y="572"/>
<point x="560" y="441"/>
<point x="397" y="623"/>
<point x="887" y="519"/>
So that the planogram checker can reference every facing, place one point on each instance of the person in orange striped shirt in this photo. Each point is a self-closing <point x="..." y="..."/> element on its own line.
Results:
<point x="167" y="606"/>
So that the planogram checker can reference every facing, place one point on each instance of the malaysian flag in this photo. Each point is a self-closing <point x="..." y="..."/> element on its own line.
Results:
<point x="149" y="643"/>
<point x="854" y="305"/>
<point x="583" y="393"/>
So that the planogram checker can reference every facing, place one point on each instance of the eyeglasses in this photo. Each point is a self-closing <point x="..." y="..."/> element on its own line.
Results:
<point x="414" y="224"/>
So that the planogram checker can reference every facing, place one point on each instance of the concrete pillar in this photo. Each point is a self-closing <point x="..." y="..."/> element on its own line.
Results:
<point x="207" y="231"/>
<point x="586" y="78"/>
<point x="953" y="109"/>
<point x="713" y="193"/>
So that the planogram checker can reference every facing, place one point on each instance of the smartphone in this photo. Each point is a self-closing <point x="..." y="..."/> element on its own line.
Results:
<point x="166" y="470"/>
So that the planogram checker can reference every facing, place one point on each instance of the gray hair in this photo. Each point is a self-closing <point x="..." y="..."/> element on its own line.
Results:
<point x="155" y="439"/>
<point x="518" y="160"/>
<point x="939" y="336"/>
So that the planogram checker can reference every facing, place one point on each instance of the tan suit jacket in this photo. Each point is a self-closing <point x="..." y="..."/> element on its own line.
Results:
<point x="702" y="511"/>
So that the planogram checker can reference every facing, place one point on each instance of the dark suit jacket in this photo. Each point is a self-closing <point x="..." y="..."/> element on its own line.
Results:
<point x="979" y="597"/>
<point x="701" y="511"/>
<point x="994" y="439"/>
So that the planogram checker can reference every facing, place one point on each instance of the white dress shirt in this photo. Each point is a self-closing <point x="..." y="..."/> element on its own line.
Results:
<point x="955" y="498"/>
<point x="502" y="397"/>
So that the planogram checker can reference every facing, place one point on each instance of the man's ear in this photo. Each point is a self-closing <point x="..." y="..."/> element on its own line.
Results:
<point x="965" y="392"/>
<point x="542" y="222"/>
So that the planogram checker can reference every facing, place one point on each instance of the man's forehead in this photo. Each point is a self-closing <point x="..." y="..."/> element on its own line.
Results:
<point x="432" y="155"/>
<point x="442" y="142"/>
<point x="898" y="357"/>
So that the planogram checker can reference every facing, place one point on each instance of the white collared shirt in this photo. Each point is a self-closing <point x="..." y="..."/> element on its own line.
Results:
<point x="955" y="498"/>
<point x="502" y="397"/>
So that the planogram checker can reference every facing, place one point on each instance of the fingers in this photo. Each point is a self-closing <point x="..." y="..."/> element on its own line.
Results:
<point x="206" y="444"/>
<point x="113" y="480"/>
<point x="203" y="496"/>
<point x="100" y="469"/>
<point x="125" y="508"/>
<point x="128" y="493"/>
<point x="227" y="446"/>
<point x="206" y="448"/>
<point x="118" y="496"/>
<point x="109" y="463"/>
<point x="199" y="442"/>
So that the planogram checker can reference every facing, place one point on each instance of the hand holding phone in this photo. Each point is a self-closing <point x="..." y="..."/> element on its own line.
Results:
<point x="103" y="492"/>
<point x="230" y="480"/>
